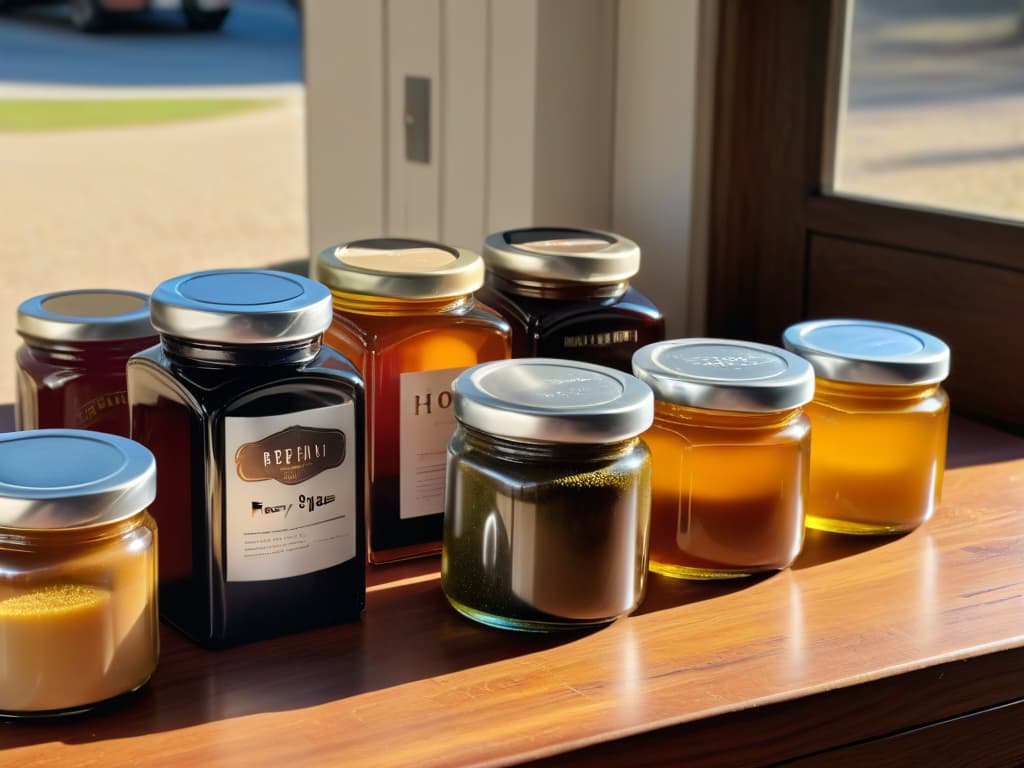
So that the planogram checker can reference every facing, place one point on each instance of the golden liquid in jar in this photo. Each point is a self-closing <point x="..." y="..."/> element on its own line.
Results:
<point x="727" y="491"/>
<point x="877" y="456"/>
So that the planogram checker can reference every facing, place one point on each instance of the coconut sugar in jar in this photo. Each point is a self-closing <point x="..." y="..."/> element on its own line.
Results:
<point x="879" y="419"/>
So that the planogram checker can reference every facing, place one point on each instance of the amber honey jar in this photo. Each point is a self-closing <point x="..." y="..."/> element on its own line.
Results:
<point x="71" y="365"/>
<point x="258" y="431"/>
<point x="730" y="452"/>
<point x="546" y="523"/>
<point x="880" y="419"/>
<point x="566" y="294"/>
<point x="405" y="314"/>
<point x="78" y="605"/>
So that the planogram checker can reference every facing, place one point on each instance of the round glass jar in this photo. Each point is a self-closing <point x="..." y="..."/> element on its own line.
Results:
<point x="547" y="497"/>
<point x="566" y="294"/>
<point x="78" y="606"/>
<point x="729" y="454"/>
<point x="258" y="430"/>
<point x="405" y="314"/>
<point x="880" y="419"/>
<point x="71" y="366"/>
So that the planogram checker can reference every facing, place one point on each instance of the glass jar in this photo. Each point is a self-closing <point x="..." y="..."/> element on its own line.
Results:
<point x="547" y="497"/>
<point x="566" y="294"/>
<point x="406" y="316"/>
<point x="258" y="430"/>
<point x="78" y="610"/>
<point x="880" y="420"/>
<point x="730" y="451"/>
<point x="70" y="368"/>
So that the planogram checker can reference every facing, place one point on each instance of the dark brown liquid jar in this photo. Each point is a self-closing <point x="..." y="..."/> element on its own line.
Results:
<point x="547" y="500"/>
<point x="406" y="316"/>
<point x="730" y="449"/>
<point x="71" y="366"/>
<point x="258" y="432"/>
<point x="566" y="294"/>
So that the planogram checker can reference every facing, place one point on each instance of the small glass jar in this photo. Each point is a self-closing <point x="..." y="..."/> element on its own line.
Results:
<point x="730" y="451"/>
<point x="566" y="294"/>
<point x="547" y="497"/>
<point x="880" y="419"/>
<point x="406" y="316"/>
<point x="71" y="364"/>
<point x="258" y="431"/>
<point x="78" y="610"/>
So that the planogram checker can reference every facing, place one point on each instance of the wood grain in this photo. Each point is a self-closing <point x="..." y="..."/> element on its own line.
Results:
<point x="861" y="639"/>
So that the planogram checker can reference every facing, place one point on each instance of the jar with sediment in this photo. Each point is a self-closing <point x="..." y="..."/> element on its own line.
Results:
<point x="78" y="604"/>
<point x="730" y="451"/>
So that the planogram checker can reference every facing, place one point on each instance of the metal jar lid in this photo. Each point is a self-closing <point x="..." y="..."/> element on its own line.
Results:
<point x="397" y="268"/>
<point x="86" y="315"/>
<point x="562" y="255"/>
<point x="60" y="479"/>
<point x="552" y="401"/>
<point x="241" y="306"/>
<point x="869" y="352"/>
<point x="725" y="375"/>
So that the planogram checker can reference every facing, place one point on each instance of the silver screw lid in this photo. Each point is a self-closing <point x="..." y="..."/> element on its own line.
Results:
<point x="725" y="375"/>
<point x="399" y="268"/>
<point x="86" y="315"/>
<point x="552" y="401"/>
<point x="59" y="479"/>
<point x="241" y="306"/>
<point x="869" y="352"/>
<point x="561" y="255"/>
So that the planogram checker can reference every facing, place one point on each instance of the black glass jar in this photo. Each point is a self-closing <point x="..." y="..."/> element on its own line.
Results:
<point x="566" y="294"/>
<point x="258" y="432"/>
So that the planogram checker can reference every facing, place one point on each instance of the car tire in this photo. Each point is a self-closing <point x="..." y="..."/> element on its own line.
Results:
<point x="198" y="19"/>
<point x="86" y="15"/>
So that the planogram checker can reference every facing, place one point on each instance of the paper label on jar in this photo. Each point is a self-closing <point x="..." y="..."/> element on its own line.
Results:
<point x="289" y="493"/>
<point x="426" y="423"/>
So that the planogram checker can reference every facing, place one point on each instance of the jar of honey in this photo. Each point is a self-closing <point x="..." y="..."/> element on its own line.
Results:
<point x="566" y="294"/>
<point x="547" y="498"/>
<point x="78" y="606"/>
<point x="71" y="366"/>
<point x="730" y="451"/>
<point x="404" y="313"/>
<point x="879" y="418"/>
<point x="258" y="431"/>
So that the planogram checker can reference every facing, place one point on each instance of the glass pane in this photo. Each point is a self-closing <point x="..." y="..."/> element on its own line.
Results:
<point x="932" y="111"/>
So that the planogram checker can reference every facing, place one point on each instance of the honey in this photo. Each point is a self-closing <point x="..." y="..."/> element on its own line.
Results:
<point x="730" y="451"/>
<point x="879" y="420"/>
<point x="406" y="317"/>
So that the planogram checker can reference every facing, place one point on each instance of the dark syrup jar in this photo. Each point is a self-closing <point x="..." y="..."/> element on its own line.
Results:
<point x="566" y="294"/>
<point x="71" y="364"/>
<point x="258" y="432"/>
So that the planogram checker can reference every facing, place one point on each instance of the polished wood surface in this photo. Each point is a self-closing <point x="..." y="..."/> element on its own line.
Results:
<point x="862" y="639"/>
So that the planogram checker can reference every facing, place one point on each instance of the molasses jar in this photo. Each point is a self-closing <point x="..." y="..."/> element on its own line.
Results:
<point x="406" y="316"/>
<point x="730" y="452"/>
<point x="72" y="362"/>
<point x="880" y="419"/>
<point x="547" y="500"/>
<point x="78" y="606"/>
<point x="566" y="294"/>
<point x="258" y="431"/>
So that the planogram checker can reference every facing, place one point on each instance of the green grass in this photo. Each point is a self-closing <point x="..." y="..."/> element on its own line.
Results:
<point x="24" y="115"/>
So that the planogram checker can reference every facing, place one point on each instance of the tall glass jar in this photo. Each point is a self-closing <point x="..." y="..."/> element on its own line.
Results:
<point x="880" y="419"/>
<point x="547" y="499"/>
<point x="730" y="451"/>
<point x="566" y="294"/>
<point x="71" y="366"/>
<point x="78" y="607"/>
<point x="406" y="316"/>
<point x="258" y="431"/>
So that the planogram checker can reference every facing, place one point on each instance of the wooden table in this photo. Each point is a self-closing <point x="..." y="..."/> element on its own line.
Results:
<point x="901" y="651"/>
